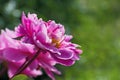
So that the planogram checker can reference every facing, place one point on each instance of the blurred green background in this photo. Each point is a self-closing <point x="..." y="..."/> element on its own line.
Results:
<point x="95" y="25"/>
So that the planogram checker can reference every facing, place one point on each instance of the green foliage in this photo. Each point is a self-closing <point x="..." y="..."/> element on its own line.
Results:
<point x="95" y="25"/>
<point x="21" y="77"/>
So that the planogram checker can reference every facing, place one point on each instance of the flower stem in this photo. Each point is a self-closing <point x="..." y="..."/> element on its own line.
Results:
<point x="26" y="64"/>
<point x="3" y="65"/>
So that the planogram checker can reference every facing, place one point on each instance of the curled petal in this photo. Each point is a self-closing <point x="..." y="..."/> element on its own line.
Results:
<point x="68" y="62"/>
<point x="65" y="54"/>
<point x="65" y="62"/>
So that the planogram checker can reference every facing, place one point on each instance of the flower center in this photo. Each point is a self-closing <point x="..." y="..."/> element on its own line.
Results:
<point x="56" y="42"/>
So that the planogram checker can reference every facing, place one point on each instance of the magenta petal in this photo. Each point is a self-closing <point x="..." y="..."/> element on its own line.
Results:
<point x="13" y="54"/>
<point x="20" y="31"/>
<point x="41" y="36"/>
<point x="76" y="57"/>
<point x="11" y="33"/>
<point x="64" y="62"/>
<point x="28" y="48"/>
<point x="53" y="49"/>
<point x="50" y="74"/>
<point x="32" y="73"/>
<point x="65" y="54"/>
<point x="12" y="69"/>
<point x="50" y="67"/>
<point x="32" y="17"/>
<point x="33" y="65"/>
<point x="23" y="18"/>
<point x="68" y="38"/>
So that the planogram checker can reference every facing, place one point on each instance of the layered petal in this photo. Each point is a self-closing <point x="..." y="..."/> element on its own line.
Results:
<point x="12" y="54"/>
<point x="47" y="63"/>
<point x="14" y="66"/>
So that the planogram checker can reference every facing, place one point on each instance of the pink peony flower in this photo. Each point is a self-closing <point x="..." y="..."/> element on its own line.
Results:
<point x="49" y="36"/>
<point x="35" y="45"/>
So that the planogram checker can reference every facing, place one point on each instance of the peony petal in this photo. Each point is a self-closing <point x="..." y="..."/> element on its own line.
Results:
<point x="65" y="54"/>
<point x="11" y="33"/>
<point x="65" y="62"/>
<point x="13" y="54"/>
<point x="68" y="37"/>
<point x="68" y="62"/>
<point x="33" y="65"/>
<point x="50" y="74"/>
<point x="42" y="35"/>
<point x="23" y="19"/>
<point x="11" y="69"/>
<point x="32" y="73"/>
<point x="26" y="47"/>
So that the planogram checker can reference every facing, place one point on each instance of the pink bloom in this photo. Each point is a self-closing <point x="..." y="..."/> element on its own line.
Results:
<point x="16" y="52"/>
<point x="50" y="37"/>
<point x="30" y="37"/>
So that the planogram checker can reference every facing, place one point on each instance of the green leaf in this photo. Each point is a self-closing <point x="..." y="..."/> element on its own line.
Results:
<point x="21" y="77"/>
